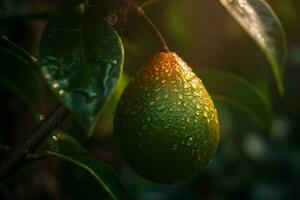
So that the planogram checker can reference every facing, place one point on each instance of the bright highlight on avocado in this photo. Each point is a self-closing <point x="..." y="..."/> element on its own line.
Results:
<point x="166" y="123"/>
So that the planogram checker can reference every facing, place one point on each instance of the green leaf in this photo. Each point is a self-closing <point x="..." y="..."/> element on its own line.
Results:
<point x="258" y="19"/>
<point x="236" y="91"/>
<point x="17" y="72"/>
<point x="81" y="58"/>
<point x="67" y="148"/>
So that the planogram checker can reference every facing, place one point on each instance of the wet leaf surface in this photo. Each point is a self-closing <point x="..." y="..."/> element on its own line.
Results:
<point x="258" y="19"/>
<point x="81" y="58"/>
<point x="67" y="148"/>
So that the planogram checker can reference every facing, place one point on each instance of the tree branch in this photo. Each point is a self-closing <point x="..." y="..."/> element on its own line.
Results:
<point x="23" y="153"/>
<point x="18" y="154"/>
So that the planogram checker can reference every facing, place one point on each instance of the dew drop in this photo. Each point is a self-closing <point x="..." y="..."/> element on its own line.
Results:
<point x="197" y="94"/>
<point x="55" y="85"/>
<point x="186" y="85"/>
<point x="180" y="96"/>
<point x="205" y="114"/>
<point x="190" y="76"/>
<point x="206" y="108"/>
<point x="163" y="81"/>
<point x="151" y="103"/>
<point x="54" y="138"/>
<point x="166" y="96"/>
<point x="194" y="83"/>
<point x="198" y="106"/>
<point x="41" y="117"/>
<point x="34" y="59"/>
<point x="61" y="92"/>
<point x="216" y="121"/>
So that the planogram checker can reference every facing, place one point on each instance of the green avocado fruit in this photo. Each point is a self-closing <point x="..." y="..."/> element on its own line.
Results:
<point x="166" y="123"/>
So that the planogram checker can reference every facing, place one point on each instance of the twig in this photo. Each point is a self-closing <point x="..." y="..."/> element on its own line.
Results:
<point x="4" y="150"/>
<point x="23" y="153"/>
<point x="18" y="154"/>
<point x="160" y="37"/>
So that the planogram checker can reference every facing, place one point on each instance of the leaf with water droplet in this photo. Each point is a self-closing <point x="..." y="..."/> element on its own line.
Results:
<point x="17" y="72"/>
<point x="258" y="19"/>
<point x="67" y="148"/>
<point x="81" y="58"/>
<point x="236" y="91"/>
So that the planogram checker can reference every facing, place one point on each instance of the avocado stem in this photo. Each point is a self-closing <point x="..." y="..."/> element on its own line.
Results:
<point x="160" y="37"/>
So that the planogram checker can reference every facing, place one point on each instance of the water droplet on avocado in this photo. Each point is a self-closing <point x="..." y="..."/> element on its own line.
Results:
<point x="205" y="114"/>
<point x="171" y="115"/>
<point x="206" y="108"/>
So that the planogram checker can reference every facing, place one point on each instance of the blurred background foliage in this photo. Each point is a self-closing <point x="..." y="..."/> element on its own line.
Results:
<point x="251" y="163"/>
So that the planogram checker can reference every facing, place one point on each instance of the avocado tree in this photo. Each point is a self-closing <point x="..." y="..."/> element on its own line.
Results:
<point x="165" y="124"/>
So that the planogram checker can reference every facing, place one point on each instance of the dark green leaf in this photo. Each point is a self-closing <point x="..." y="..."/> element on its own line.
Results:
<point x="229" y="88"/>
<point x="67" y="148"/>
<point x="17" y="72"/>
<point x="81" y="58"/>
<point x="258" y="19"/>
